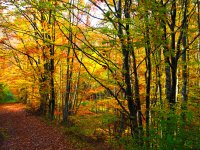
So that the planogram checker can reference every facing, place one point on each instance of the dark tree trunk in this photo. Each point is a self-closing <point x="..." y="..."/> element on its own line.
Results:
<point x="137" y="92"/>
<point x="43" y="96"/>
<point x="184" y="59"/>
<point x="126" y="45"/>
<point x="172" y="99"/>
<point x="68" y="91"/>
<point x="52" y="91"/>
<point x="147" y="76"/>
<point x="51" y="36"/>
<point x="68" y="103"/>
<point x="166" y="55"/>
<point x="158" y="81"/>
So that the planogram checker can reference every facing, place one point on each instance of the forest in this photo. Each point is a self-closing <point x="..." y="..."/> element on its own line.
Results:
<point x="121" y="72"/>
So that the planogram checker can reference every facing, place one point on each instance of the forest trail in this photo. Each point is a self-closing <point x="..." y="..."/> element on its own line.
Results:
<point x="26" y="132"/>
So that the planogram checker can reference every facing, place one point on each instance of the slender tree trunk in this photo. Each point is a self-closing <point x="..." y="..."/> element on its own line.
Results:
<point x="51" y="36"/>
<point x="166" y="55"/>
<point x="52" y="91"/>
<point x="148" y="77"/>
<point x="67" y="105"/>
<point x="158" y="81"/>
<point x="137" y="91"/>
<point x="75" y="97"/>
<point x="184" y="60"/>
<point x="172" y="99"/>
<point x="43" y="96"/>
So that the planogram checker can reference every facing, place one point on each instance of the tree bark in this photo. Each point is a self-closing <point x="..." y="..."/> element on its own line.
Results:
<point x="172" y="99"/>
<point x="147" y="76"/>
<point x="184" y="60"/>
<point x="166" y="54"/>
<point x="134" y="108"/>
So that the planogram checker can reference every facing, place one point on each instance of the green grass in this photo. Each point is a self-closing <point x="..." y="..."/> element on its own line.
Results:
<point x="8" y="101"/>
<point x="7" y="98"/>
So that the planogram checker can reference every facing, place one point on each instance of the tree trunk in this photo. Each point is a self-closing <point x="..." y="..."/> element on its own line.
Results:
<point x="184" y="61"/>
<point x="126" y="47"/>
<point x="172" y="99"/>
<point x="52" y="91"/>
<point x="43" y="96"/>
<point x="166" y="55"/>
<point x="68" y="103"/>
<point x="51" y="36"/>
<point x="68" y="91"/>
<point x="147" y="76"/>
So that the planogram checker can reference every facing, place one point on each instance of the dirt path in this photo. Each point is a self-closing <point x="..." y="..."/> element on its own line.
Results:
<point x="27" y="132"/>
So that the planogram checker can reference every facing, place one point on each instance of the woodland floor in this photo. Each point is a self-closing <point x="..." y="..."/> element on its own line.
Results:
<point x="23" y="131"/>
